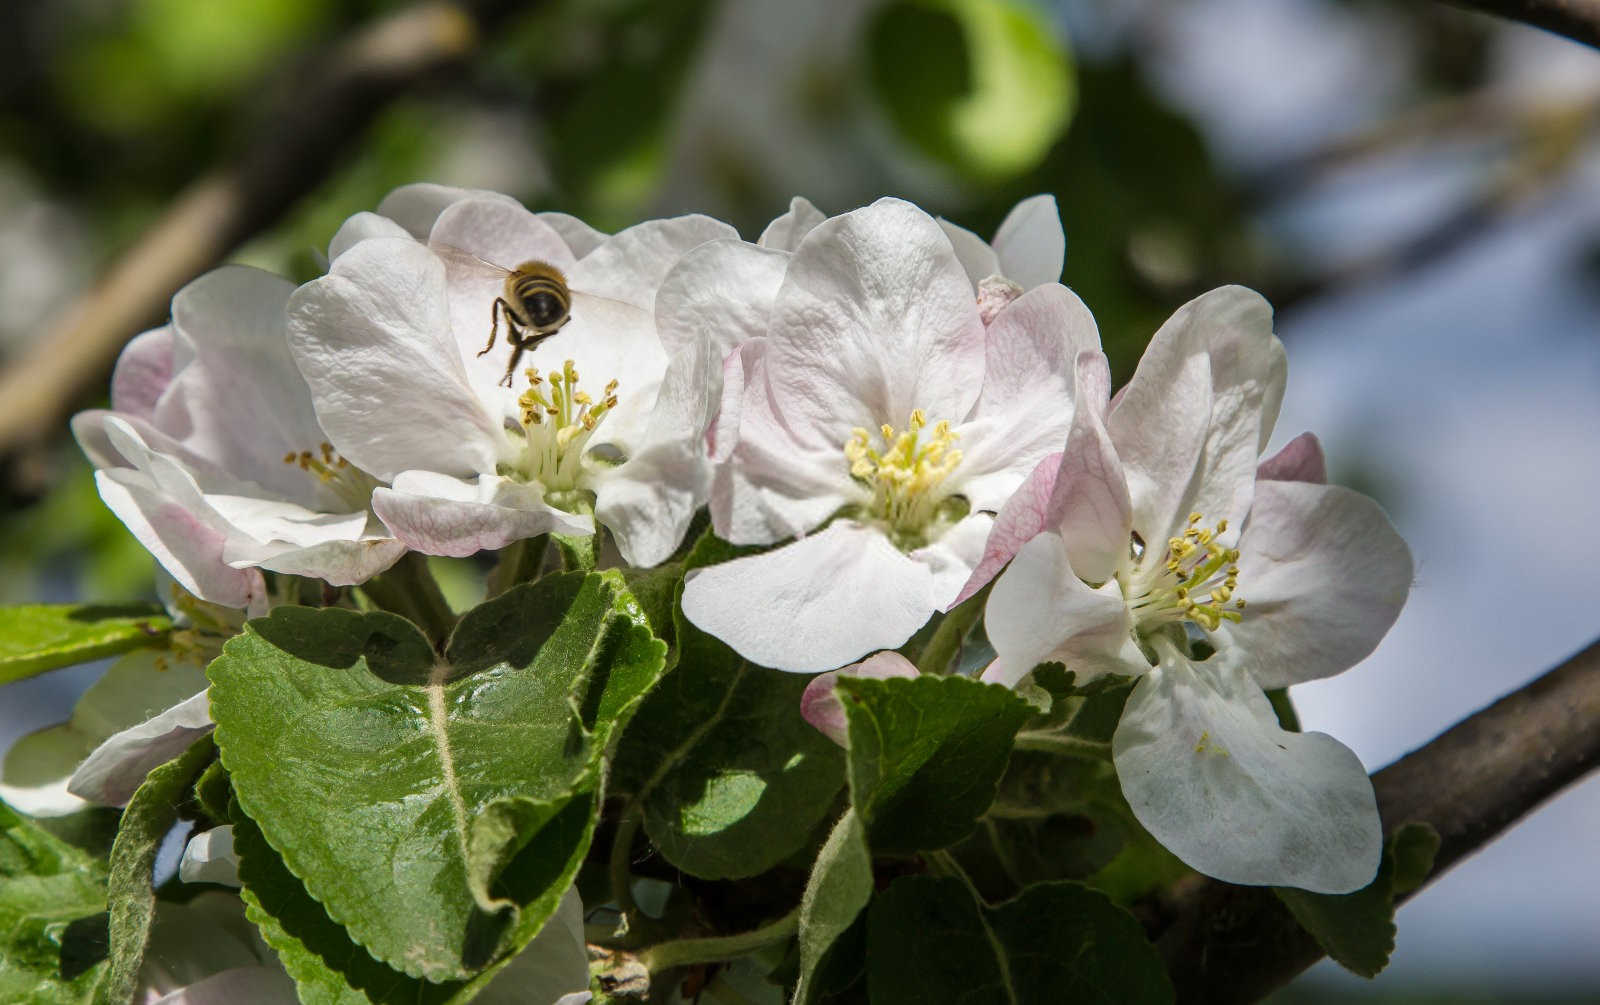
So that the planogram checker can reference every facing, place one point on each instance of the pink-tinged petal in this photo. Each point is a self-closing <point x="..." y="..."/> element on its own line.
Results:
<point x="439" y="515"/>
<point x="266" y="520"/>
<point x="580" y="237"/>
<point x="501" y="233"/>
<point x="339" y="563"/>
<point x="1300" y="460"/>
<point x="1025" y="515"/>
<point x="143" y="372"/>
<point x="722" y="435"/>
<point x="1324" y="575"/>
<point x="1210" y="774"/>
<point x="630" y="265"/>
<point x="1030" y="244"/>
<point x="1091" y="506"/>
<point x="373" y="339"/>
<point x="1040" y="611"/>
<point x="186" y="546"/>
<point x="875" y="318"/>
<point x="821" y="707"/>
<point x="208" y="857"/>
<point x="995" y="294"/>
<point x="1231" y="328"/>
<point x="816" y="604"/>
<point x="977" y="258"/>
<point x="1026" y="404"/>
<point x="117" y="767"/>
<point x="416" y="207"/>
<point x="787" y="231"/>
<point x="90" y="430"/>
<point x="717" y="296"/>
<point x="362" y="227"/>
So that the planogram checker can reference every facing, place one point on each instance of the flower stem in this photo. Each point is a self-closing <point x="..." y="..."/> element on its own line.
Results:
<point x="1056" y="743"/>
<point x="684" y="952"/>
<point x="520" y="562"/>
<point x="621" y="862"/>
<point x="941" y="650"/>
<point x="409" y="590"/>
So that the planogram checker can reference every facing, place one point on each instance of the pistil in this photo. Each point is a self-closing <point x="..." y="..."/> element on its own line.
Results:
<point x="558" y="419"/>
<point x="907" y="476"/>
<point x="1194" y="581"/>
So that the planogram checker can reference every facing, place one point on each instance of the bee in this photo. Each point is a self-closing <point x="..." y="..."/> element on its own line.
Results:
<point x="536" y="303"/>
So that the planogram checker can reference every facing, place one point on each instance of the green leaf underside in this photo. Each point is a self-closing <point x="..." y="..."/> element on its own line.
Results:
<point x="731" y="778"/>
<point x="433" y="806"/>
<point x="52" y="915"/>
<point x="151" y="813"/>
<point x="1357" y="929"/>
<point x="929" y="939"/>
<point x="40" y="637"/>
<point x="926" y="754"/>
<point x="839" y="887"/>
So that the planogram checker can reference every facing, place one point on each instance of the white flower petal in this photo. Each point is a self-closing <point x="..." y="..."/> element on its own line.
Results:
<point x="580" y="237"/>
<point x="821" y="707"/>
<point x="1026" y="514"/>
<point x="440" y="515"/>
<point x="339" y="563"/>
<point x="501" y="233"/>
<point x="143" y="372"/>
<point x="118" y="766"/>
<point x="1300" y="460"/>
<point x="1209" y="773"/>
<point x="815" y="604"/>
<point x="648" y="501"/>
<point x="874" y="319"/>
<point x="208" y="857"/>
<point x="1026" y="404"/>
<point x="373" y="339"/>
<point x="977" y="258"/>
<point x="360" y="227"/>
<point x="415" y="207"/>
<point x="1158" y="425"/>
<point x="630" y="264"/>
<point x="717" y="296"/>
<point x="1324" y="574"/>
<point x="1041" y="611"/>
<point x="787" y="231"/>
<point x="953" y="556"/>
<point x="1030" y="244"/>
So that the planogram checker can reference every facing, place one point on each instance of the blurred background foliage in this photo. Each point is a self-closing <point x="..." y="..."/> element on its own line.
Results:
<point x="617" y="110"/>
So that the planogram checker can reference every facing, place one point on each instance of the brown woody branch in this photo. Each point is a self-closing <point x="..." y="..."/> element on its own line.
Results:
<point x="1235" y="944"/>
<point x="293" y="152"/>
<point x="1578" y="20"/>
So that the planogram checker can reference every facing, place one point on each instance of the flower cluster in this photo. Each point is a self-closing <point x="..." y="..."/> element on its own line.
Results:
<point x="891" y="416"/>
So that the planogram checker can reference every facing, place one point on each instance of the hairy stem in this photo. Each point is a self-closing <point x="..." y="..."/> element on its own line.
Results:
<point x="684" y="952"/>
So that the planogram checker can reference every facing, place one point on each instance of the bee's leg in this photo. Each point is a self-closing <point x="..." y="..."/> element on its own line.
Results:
<point x="494" y="321"/>
<point x="516" y="353"/>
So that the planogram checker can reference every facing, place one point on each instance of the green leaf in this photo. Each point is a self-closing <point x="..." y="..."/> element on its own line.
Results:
<point x="926" y="754"/>
<point x="929" y="939"/>
<point x="150" y="815"/>
<point x="436" y="808"/>
<point x="982" y="86"/>
<point x="1357" y="929"/>
<point x="52" y="916"/>
<point x="731" y="778"/>
<point x="839" y="887"/>
<point x="39" y="637"/>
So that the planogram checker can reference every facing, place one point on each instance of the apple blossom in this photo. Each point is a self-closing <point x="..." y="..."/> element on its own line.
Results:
<point x="870" y="401"/>
<point x="392" y="339"/>
<point x="1150" y="530"/>
<point x="821" y="707"/>
<point x="212" y="455"/>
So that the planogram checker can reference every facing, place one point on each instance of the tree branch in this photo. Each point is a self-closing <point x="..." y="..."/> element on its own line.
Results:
<point x="1235" y="944"/>
<point x="1578" y="20"/>
<point x="290" y="156"/>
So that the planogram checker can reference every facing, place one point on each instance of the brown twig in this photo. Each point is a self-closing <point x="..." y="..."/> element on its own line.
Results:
<point x="1578" y="20"/>
<point x="320" y="119"/>
<point x="1225" y="944"/>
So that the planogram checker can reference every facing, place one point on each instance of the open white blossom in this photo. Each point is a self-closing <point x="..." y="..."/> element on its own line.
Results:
<point x="392" y="343"/>
<point x="212" y="455"/>
<point x="1147" y="534"/>
<point x="868" y="399"/>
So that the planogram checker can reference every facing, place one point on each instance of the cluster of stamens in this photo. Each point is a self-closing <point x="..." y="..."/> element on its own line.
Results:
<point x="349" y="483"/>
<point x="906" y="476"/>
<point x="1196" y="581"/>
<point x="558" y="418"/>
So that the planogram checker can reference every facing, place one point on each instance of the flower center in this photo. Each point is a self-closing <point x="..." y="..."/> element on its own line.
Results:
<point x="557" y="420"/>
<point x="1192" y="582"/>
<point x="348" y="483"/>
<point x="906" y="477"/>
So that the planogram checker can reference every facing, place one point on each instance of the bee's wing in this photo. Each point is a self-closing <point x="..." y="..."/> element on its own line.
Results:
<point x="461" y="262"/>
